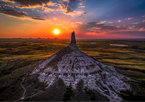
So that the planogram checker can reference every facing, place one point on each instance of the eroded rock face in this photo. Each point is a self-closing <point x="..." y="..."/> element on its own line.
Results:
<point x="72" y="65"/>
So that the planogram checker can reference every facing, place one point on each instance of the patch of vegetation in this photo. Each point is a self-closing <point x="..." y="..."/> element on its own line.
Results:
<point x="91" y="94"/>
<point x="139" y="46"/>
<point x="132" y="74"/>
<point x="137" y="93"/>
<point x="68" y="94"/>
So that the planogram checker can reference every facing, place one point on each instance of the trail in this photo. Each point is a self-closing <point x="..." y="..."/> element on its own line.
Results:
<point x="23" y="92"/>
<point x="25" y="89"/>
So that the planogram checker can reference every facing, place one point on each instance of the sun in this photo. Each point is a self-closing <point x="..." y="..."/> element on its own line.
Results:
<point x="56" y="31"/>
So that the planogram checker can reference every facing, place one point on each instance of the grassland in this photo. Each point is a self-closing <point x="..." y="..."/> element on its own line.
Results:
<point x="19" y="56"/>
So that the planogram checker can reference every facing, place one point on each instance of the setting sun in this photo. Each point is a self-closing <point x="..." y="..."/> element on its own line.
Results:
<point x="56" y="31"/>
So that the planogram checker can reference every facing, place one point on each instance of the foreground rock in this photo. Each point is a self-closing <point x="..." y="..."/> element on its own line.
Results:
<point x="86" y="77"/>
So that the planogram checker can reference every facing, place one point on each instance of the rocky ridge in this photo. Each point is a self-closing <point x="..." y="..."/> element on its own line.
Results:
<point x="71" y="65"/>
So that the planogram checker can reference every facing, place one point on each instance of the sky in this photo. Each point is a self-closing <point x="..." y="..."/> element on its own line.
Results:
<point x="90" y="19"/>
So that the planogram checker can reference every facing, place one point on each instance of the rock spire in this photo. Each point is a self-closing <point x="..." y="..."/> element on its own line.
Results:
<point x="73" y="45"/>
<point x="73" y="40"/>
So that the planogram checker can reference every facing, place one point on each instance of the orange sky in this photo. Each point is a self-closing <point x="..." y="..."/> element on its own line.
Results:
<point x="90" y="19"/>
<point x="29" y="28"/>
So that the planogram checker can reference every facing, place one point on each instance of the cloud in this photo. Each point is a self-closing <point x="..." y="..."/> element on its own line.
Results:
<point x="128" y="34"/>
<point x="66" y="0"/>
<point x="81" y="6"/>
<point x="78" y="13"/>
<point x="67" y="11"/>
<point x="81" y="3"/>
<point x="131" y="27"/>
<point x="119" y="21"/>
<point x="95" y="29"/>
<point x="73" y="0"/>
<point x="118" y="26"/>
<point x="98" y="28"/>
<point x="38" y="18"/>
<point x="71" y="7"/>
<point x="128" y="18"/>
<point x="18" y="14"/>
<point x="142" y="29"/>
<point x="65" y="8"/>
<point x="143" y="21"/>
<point x="27" y="3"/>
<point x="65" y="27"/>
<point x="51" y="3"/>
<point x="12" y="12"/>
<point x="55" y="18"/>
<point x="109" y="22"/>
<point x="135" y="23"/>
<point x="101" y="22"/>
<point x="143" y="16"/>
<point x="74" y="24"/>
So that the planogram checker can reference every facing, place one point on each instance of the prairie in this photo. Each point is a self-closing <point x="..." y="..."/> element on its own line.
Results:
<point x="18" y="57"/>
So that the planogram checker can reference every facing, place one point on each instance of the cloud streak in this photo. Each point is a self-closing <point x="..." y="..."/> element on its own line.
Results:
<point x="128" y="18"/>
<point x="109" y="22"/>
<point x="101" y="22"/>
<point x="142" y="29"/>
<point x="47" y="6"/>
<point x="18" y="14"/>
<point x="131" y="27"/>
<point x="27" y="3"/>
<point x="38" y="18"/>
<point x="135" y="23"/>
<point x="12" y="12"/>
<point x="95" y="27"/>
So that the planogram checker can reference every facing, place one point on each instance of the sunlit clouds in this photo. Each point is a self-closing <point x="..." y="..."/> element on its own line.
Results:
<point x="119" y="21"/>
<point x="109" y="22"/>
<point x="135" y="23"/>
<point x="128" y="18"/>
<point x="39" y="18"/>
<point x="101" y="22"/>
<point x="142" y="29"/>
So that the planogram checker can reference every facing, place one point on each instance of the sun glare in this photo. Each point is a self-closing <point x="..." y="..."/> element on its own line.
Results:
<point x="56" y="31"/>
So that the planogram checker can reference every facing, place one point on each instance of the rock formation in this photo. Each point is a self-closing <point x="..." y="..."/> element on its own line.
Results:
<point x="72" y="66"/>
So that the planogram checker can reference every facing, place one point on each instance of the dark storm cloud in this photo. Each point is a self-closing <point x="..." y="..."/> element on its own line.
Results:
<point x="12" y="12"/>
<point x="69" y="10"/>
<point x="38" y="18"/>
<point x="30" y="2"/>
<point x="16" y="13"/>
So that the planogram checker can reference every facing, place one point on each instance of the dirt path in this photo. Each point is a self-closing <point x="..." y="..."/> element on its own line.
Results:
<point x="23" y="92"/>
<point x="25" y="89"/>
